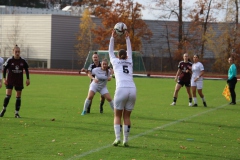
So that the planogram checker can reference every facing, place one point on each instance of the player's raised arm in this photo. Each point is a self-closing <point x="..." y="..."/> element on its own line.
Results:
<point x="129" y="47"/>
<point x="111" y="45"/>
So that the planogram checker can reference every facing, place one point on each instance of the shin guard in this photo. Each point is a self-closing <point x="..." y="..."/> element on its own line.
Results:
<point x="18" y="103"/>
<point x="6" y="100"/>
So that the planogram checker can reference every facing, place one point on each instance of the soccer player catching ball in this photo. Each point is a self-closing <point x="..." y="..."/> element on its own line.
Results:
<point x="125" y="93"/>
<point x="15" y="66"/>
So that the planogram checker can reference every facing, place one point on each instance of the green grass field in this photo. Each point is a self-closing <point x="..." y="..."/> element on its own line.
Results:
<point x="159" y="131"/>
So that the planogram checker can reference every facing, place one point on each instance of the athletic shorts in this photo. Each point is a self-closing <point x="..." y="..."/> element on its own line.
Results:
<point x="93" y="87"/>
<point x="17" y="88"/>
<point x="198" y="84"/>
<point x="125" y="98"/>
<point x="182" y="83"/>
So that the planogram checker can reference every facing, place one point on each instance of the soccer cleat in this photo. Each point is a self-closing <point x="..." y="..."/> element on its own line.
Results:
<point x="17" y="115"/>
<point x="116" y="143"/>
<point x="205" y="104"/>
<point x="195" y="105"/>
<point x="190" y="104"/>
<point x="125" y="144"/>
<point x="173" y="104"/>
<point x="232" y="103"/>
<point x="101" y="109"/>
<point x="83" y="113"/>
<point x="2" y="113"/>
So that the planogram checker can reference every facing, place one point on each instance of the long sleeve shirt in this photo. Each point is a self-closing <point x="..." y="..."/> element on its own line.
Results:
<point x="232" y="72"/>
<point x="123" y="68"/>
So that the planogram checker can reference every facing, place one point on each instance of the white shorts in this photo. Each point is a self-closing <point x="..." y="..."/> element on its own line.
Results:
<point x="125" y="98"/>
<point x="95" y="88"/>
<point x="198" y="84"/>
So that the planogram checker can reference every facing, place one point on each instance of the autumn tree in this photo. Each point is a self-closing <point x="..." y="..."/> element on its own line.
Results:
<point x="85" y="36"/>
<point x="123" y="11"/>
<point x="232" y="17"/>
<point x="221" y="48"/>
<point x="201" y="15"/>
<point x="221" y="40"/>
<point x="228" y="40"/>
<point x="173" y="10"/>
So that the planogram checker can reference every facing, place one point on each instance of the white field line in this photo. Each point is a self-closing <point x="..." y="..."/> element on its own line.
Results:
<point x="147" y="132"/>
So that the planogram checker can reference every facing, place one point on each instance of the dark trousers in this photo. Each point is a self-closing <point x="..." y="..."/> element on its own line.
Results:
<point x="232" y="84"/>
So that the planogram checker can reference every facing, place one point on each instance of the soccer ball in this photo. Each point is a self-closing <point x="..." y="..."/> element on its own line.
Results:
<point x="120" y="28"/>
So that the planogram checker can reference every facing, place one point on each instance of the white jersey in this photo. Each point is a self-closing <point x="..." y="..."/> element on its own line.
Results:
<point x="1" y="66"/>
<point x="196" y="70"/>
<point x="123" y="69"/>
<point x="101" y="76"/>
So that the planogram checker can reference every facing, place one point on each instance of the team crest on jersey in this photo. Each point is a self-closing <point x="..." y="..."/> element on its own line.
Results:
<point x="21" y="64"/>
<point x="12" y="64"/>
<point x="17" y="70"/>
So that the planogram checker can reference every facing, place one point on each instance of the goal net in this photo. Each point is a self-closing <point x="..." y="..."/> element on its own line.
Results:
<point x="138" y="65"/>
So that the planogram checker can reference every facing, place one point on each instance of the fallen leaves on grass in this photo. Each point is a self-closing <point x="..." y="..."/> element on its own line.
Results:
<point x="183" y="147"/>
<point x="60" y="154"/>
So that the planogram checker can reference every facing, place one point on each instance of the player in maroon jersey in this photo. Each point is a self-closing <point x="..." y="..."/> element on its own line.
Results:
<point x="183" y="77"/>
<point x="1" y="67"/>
<point x="14" y="65"/>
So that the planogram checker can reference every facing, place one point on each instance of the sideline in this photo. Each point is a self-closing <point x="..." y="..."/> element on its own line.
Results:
<point x="78" y="73"/>
<point x="147" y="132"/>
<point x="173" y="76"/>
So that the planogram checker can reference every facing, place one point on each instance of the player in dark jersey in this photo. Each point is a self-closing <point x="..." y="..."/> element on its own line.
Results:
<point x="183" y="77"/>
<point x="96" y="63"/>
<point x="1" y="67"/>
<point x="14" y="65"/>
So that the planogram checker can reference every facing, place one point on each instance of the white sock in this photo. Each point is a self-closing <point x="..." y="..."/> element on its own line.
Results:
<point x="126" y="130"/>
<point x="195" y="100"/>
<point x="203" y="99"/>
<point x="111" y="105"/>
<point x="16" y="112"/>
<point x="117" y="130"/>
<point x="86" y="104"/>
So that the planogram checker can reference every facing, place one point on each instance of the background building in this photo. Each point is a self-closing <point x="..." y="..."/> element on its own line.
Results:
<point x="47" y="38"/>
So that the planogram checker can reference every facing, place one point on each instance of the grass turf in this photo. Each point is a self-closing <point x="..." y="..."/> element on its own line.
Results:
<point x="51" y="127"/>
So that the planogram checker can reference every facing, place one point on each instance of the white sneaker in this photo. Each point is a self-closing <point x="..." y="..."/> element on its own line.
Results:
<point x="190" y="104"/>
<point x="173" y="104"/>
